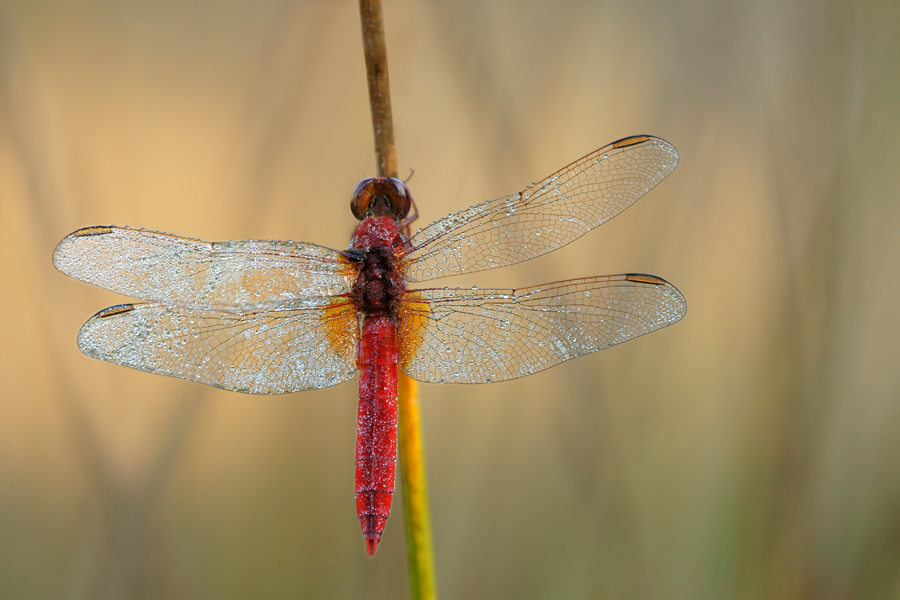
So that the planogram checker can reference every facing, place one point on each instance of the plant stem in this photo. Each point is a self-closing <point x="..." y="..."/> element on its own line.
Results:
<point x="412" y="457"/>
<point x="415" y="493"/>
<point x="379" y="86"/>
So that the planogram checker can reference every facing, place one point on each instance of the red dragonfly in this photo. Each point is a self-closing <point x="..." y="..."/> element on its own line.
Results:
<point x="266" y="317"/>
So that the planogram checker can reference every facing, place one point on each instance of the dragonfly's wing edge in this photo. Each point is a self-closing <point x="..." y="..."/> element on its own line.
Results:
<point x="265" y="352"/>
<point x="457" y="335"/>
<point x="543" y="217"/>
<point x="160" y="267"/>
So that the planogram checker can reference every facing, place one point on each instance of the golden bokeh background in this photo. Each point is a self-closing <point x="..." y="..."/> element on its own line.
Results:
<point x="750" y="451"/>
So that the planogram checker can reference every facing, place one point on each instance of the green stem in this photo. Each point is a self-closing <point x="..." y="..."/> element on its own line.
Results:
<point x="415" y="493"/>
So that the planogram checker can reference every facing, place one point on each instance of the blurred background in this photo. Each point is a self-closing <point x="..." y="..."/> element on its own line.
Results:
<point x="750" y="451"/>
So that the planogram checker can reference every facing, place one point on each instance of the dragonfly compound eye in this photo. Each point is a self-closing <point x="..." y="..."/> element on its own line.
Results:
<point x="401" y="199"/>
<point x="380" y="197"/>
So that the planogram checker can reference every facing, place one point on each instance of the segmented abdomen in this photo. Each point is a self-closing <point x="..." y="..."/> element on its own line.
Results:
<point x="376" y="434"/>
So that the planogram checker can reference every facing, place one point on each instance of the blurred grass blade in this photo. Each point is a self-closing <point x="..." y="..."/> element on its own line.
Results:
<point x="415" y="492"/>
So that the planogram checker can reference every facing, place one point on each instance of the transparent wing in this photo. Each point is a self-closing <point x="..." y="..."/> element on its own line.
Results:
<point x="544" y="216"/>
<point x="159" y="267"/>
<point x="478" y="336"/>
<point x="286" y="349"/>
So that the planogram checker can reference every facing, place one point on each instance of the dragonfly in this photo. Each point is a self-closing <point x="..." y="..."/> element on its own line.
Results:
<point x="273" y="317"/>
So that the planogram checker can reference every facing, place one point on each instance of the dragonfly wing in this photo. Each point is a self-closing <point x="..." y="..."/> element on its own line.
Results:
<point x="159" y="267"/>
<point x="544" y="216"/>
<point x="285" y="349"/>
<point x="479" y="336"/>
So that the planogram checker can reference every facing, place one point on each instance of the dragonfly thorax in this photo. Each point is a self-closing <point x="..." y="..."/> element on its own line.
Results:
<point x="379" y="283"/>
<point x="376" y="232"/>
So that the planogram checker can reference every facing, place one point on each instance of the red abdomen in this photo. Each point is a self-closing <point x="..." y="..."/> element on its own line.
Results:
<point x="376" y="434"/>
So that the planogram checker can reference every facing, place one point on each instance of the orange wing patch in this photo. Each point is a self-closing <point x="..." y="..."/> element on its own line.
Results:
<point x="414" y="313"/>
<point x="341" y="326"/>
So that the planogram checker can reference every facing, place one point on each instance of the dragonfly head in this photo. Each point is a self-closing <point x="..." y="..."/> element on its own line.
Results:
<point x="380" y="197"/>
